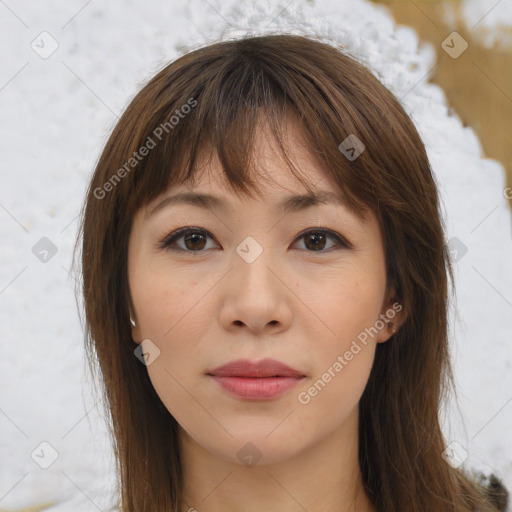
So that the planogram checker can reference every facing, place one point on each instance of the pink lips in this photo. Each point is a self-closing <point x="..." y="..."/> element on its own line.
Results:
<point x="256" y="381"/>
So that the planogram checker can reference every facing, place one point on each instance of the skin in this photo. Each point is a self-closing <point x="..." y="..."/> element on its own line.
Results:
<point x="298" y="305"/>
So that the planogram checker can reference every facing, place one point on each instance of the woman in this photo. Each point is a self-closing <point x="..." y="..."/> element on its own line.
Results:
<point x="265" y="285"/>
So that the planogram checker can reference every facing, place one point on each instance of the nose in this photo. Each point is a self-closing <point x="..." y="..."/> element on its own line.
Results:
<point x="255" y="293"/>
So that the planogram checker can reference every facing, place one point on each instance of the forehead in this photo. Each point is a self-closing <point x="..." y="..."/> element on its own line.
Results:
<point x="276" y="185"/>
<point x="281" y="169"/>
<point x="268" y="168"/>
<point x="284" y="195"/>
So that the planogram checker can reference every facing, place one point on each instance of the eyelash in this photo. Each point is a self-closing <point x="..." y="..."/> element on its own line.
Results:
<point x="168" y="241"/>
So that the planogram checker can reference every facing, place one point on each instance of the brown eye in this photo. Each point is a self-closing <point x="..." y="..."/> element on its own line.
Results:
<point x="194" y="240"/>
<point x="315" y="240"/>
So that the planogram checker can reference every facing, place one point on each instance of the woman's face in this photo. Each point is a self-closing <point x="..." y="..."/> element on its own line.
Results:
<point x="250" y="283"/>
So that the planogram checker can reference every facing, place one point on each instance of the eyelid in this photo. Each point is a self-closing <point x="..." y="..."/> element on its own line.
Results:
<point x="165" y="244"/>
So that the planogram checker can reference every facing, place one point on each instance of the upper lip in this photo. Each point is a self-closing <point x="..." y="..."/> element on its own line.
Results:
<point x="264" y="368"/>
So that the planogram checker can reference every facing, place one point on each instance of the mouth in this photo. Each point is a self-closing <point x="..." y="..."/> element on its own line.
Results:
<point x="269" y="368"/>
<point x="256" y="388"/>
<point x="263" y="380"/>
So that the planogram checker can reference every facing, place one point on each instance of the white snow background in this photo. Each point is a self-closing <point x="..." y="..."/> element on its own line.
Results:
<point x="56" y="113"/>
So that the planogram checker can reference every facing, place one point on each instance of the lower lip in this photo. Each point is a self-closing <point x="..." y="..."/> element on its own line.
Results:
<point x="257" y="388"/>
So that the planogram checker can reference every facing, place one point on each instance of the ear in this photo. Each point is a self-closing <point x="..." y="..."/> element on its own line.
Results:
<point x="136" y="331"/>
<point x="393" y="316"/>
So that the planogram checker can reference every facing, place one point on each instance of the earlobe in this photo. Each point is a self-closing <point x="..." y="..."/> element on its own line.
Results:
<point x="393" y="318"/>
<point x="390" y="329"/>
<point x="136" y="335"/>
<point x="135" y="329"/>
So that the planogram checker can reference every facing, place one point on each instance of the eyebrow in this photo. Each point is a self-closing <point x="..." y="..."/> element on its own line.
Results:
<point x="294" y="203"/>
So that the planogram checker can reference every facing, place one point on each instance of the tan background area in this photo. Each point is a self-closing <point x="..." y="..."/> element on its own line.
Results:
<point x="478" y="84"/>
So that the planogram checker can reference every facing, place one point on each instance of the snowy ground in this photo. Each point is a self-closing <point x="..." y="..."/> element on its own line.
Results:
<point x="57" y="110"/>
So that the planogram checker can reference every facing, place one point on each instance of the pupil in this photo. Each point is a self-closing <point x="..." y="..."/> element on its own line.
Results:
<point x="195" y="238"/>
<point x="318" y="239"/>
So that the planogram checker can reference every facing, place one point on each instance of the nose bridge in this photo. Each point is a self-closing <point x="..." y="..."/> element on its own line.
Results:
<point x="256" y="294"/>
<point x="254" y="261"/>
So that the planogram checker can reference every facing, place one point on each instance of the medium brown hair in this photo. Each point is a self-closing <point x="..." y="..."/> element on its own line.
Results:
<point x="229" y="87"/>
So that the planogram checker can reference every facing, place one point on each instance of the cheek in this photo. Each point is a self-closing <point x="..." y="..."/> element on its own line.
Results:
<point x="344" y="357"/>
<point x="343" y="360"/>
<point x="348" y="304"/>
<point x="333" y="395"/>
<point x="171" y="315"/>
<point x="173" y="312"/>
<point x="163" y="300"/>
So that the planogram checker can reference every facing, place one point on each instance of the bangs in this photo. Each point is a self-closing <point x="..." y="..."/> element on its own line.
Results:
<point x="213" y="106"/>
